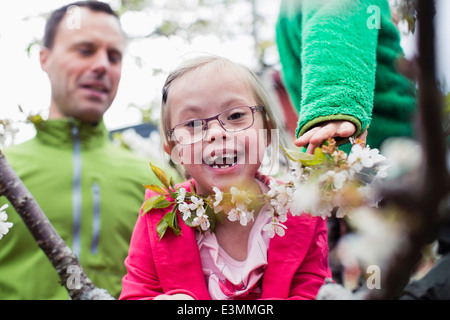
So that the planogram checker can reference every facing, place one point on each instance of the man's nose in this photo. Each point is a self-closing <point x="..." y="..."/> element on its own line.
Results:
<point x="101" y="62"/>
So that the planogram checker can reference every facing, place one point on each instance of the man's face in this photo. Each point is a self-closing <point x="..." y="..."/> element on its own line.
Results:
<point x="84" y="65"/>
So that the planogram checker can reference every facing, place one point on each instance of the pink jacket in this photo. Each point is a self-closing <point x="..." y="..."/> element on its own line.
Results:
<point x="297" y="262"/>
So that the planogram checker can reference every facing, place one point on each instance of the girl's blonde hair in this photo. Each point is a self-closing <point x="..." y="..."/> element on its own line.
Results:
<point x="251" y="80"/>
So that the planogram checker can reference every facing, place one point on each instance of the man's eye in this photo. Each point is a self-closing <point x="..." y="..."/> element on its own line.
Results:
<point x="85" y="51"/>
<point x="114" y="57"/>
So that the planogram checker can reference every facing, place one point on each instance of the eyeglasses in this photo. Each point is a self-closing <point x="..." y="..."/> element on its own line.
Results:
<point x="231" y="120"/>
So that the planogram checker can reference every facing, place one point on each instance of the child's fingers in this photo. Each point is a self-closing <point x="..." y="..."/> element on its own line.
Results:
<point x="328" y="131"/>
<point x="317" y="135"/>
<point x="345" y="129"/>
<point x="306" y="137"/>
<point x="311" y="148"/>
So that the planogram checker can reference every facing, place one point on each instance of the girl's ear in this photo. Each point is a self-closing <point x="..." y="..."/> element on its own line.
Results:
<point x="174" y="152"/>
<point x="167" y="149"/>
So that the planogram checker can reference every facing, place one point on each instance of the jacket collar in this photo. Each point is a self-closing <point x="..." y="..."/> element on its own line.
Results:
<point x="62" y="133"/>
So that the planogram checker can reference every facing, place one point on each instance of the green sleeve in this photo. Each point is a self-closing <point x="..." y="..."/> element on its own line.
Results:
<point x="338" y="62"/>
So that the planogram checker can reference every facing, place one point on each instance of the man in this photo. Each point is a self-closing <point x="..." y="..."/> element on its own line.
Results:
<point x="90" y="190"/>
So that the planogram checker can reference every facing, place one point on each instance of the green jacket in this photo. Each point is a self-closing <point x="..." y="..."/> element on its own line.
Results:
<point x="90" y="190"/>
<point x="338" y="64"/>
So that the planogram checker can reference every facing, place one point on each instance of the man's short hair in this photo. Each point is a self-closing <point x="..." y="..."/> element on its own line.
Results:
<point x="57" y="15"/>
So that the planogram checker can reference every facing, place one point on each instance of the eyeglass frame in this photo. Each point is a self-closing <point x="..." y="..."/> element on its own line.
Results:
<point x="254" y="109"/>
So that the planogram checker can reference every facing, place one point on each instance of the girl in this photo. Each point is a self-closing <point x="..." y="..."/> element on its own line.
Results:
<point x="216" y="118"/>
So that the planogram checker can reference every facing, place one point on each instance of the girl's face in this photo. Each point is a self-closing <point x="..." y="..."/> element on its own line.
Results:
<point x="222" y="159"/>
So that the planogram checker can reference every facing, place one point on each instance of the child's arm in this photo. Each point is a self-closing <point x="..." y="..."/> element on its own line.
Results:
<point x="329" y="54"/>
<point x="338" y="63"/>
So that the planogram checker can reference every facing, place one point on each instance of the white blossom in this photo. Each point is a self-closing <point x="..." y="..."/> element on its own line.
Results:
<point x="275" y="227"/>
<point x="201" y="219"/>
<point x="4" y="225"/>
<point x="218" y="197"/>
<point x="404" y="156"/>
<point x="241" y="214"/>
<point x="360" y="157"/>
<point x="181" y="195"/>
<point x="184" y="209"/>
<point x="281" y="196"/>
<point x="239" y="196"/>
<point x="335" y="179"/>
<point x="305" y="199"/>
<point x="196" y="203"/>
<point x="372" y="230"/>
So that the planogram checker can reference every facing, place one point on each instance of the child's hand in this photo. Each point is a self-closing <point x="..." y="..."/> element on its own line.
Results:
<point x="177" y="296"/>
<point x="317" y="135"/>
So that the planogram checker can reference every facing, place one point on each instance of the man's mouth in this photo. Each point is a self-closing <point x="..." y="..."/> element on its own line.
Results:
<point x="222" y="161"/>
<point x="97" y="87"/>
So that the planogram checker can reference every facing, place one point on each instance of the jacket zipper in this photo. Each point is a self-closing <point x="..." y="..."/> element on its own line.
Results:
<point x="76" y="192"/>
<point x="96" y="218"/>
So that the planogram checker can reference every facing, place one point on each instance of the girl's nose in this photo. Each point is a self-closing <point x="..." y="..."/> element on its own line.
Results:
<point x="215" y="131"/>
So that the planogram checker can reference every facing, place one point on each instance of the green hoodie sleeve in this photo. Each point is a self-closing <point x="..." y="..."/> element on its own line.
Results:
<point x="335" y="45"/>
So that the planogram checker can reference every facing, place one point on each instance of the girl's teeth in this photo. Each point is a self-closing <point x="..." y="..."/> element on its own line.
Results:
<point x="221" y="167"/>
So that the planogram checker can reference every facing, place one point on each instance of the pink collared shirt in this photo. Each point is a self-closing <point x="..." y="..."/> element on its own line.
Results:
<point x="227" y="278"/>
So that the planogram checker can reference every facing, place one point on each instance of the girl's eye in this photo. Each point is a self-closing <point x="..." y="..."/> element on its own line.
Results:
<point x="236" y="116"/>
<point x="194" y="124"/>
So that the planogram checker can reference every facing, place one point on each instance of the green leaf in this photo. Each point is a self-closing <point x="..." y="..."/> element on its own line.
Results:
<point x="297" y="155"/>
<point x="319" y="157"/>
<point x="162" y="204"/>
<point x="161" y="228"/>
<point x="168" y="221"/>
<point x="160" y="174"/>
<point x="305" y="158"/>
<point x="156" y="188"/>
<point x="150" y="203"/>
<point x="212" y="218"/>
<point x="193" y="189"/>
